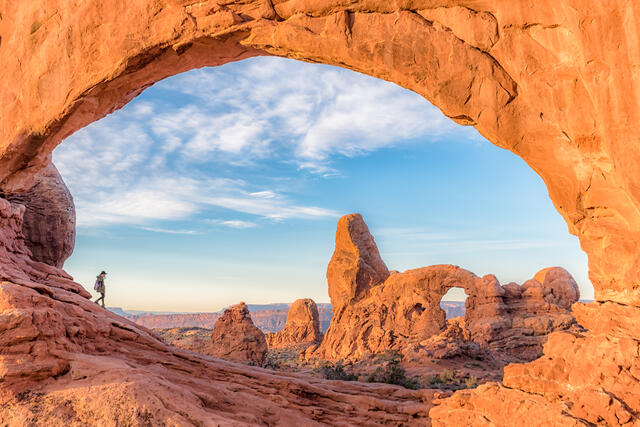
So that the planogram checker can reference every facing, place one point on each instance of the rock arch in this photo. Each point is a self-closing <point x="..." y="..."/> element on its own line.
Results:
<point x="376" y="310"/>
<point x="551" y="82"/>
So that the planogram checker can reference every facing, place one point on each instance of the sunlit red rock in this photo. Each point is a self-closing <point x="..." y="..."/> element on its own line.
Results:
<point x="555" y="82"/>
<point x="49" y="224"/>
<point x="65" y="361"/>
<point x="454" y="341"/>
<point x="302" y="327"/>
<point x="236" y="338"/>
<point x="404" y="309"/>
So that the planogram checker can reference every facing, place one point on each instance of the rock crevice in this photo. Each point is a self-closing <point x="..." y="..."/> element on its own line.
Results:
<point x="575" y="121"/>
<point x="381" y="311"/>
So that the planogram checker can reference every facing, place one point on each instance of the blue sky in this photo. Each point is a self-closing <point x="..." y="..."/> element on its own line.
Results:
<point x="224" y="184"/>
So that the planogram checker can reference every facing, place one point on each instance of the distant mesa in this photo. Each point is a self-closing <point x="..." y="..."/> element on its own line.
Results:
<point x="118" y="310"/>
<point x="267" y="317"/>
<point x="376" y="310"/>
<point x="302" y="327"/>
<point x="237" y="339"/>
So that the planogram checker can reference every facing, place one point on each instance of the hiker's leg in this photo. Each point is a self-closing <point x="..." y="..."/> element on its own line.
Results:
<point x="102" y="298"/>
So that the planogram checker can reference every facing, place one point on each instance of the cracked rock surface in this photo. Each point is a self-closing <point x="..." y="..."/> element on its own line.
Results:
<point x="555" y="82"/>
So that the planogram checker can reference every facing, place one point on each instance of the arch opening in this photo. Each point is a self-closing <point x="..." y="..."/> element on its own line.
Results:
<point x="184" y="130"/>
<point x="454" y="302"/>
<point x="579" y="149"/>
<point x="202" y="146"/>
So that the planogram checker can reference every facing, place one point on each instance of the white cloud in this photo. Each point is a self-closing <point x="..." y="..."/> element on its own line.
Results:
<point x="116" y="178"/>
<point x="417" y="241"/>
<point x="276" y="209"/>
<point x="265" y="194"/>
<point x="162" y="161"/>
<point x="233" y="223"/>
<point x="314" y="111"/>
<point x="168" y="231"/>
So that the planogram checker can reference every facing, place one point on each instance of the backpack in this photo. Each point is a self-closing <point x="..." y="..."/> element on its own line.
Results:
<point x="96" y="285"/>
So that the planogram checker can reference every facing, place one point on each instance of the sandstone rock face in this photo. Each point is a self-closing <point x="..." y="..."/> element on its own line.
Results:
<point x="454" y="341"/>
<point x="236" y="338"/>
<point x="49" y="225"/>
<point x="535" y="78"/>
<point x="302" y="327"/>
<point x="521" y="76"/>
<point x="404" y="309"/>
<point x="355" y="265"/>
<point x="65" y="361"/>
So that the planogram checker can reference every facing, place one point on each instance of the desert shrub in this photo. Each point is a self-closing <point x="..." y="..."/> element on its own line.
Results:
<point x="335" y="371"/>
<point x="448" y="380"/>
<point x="282" y="359"/>
<point x="393" y="373"/>
<point x="447" y="375"/>
<point x="389" y="356"/>
<point x="471" y="382"/>
<point x="432" y="380"/>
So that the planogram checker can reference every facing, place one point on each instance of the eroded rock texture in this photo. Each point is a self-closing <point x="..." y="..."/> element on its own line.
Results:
<point x="302" y="327"/>
<point x="236" y="338"/>
<point x="65" y="361"/>
<point x="49" y="224"/>
<point x="553" y="81"/>
<point x="401" y="310"/>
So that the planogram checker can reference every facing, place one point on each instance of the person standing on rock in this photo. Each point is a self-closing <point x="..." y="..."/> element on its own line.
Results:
<point x="99" y="286"/>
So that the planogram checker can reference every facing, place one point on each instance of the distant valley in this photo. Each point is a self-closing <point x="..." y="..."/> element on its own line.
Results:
<point x="267" y="317"/>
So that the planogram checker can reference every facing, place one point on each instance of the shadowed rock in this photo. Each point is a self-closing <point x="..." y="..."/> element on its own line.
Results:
<point x="535" y="78"/>
<point x="49" y="224"/>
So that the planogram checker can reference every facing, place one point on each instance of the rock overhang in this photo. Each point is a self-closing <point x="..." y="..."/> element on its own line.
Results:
<point x="532" y="79"/>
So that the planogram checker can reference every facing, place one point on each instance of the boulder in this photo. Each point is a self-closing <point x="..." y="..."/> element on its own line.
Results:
<point x="49" y="221"/>
<point x="236" y="338"/>
<point x="302" y="327"/>
<point x="553" y="81"/>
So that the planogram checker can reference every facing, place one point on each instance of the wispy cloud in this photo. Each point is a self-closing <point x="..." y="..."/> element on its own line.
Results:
<point x="233" y="223"/>
<point x="168" y="231"/>
<point x="274" y="208"/>
<point x="170" y="158"/>
<point x="418" y="241"/>
<point x="274" y="107"/>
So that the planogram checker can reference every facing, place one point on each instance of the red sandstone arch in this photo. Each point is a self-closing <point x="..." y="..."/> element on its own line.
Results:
<point x="555" y="83"/>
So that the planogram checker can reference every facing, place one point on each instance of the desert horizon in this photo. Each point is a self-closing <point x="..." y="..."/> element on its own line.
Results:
<point x="309" y="213"/>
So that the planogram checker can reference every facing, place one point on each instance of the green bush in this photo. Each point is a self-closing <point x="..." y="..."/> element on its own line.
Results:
<point x="448" y="380"/>
<point x="393" y="373"/>
<point x="334" y="372"/>
<point x="389" y="356"/>
<point x="447" y="376"/>
<point x="471" y="382"/>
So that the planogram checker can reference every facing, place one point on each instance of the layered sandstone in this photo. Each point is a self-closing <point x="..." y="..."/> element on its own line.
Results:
<point x="236" y="338"/>
<point x="377" y="311"/>
<point x="49" y="221"/>
<point x="65" y="361"/>
<point x="454" y="341"/>
<point x="555" y="82"/>
<point x="302" y="327"/>
<point x="521" y="76"/>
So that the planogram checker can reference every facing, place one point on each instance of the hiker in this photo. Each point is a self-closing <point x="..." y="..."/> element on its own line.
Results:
<point x="99" y="286"/>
